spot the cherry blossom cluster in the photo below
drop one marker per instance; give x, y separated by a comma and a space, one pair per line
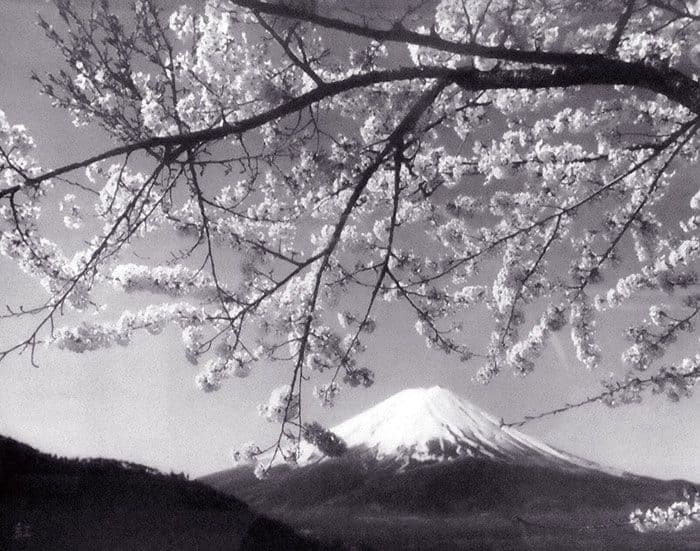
327, 393
245, 453
229, 360
283, 404
172, 281
675, 381
95, 335
16, 145
677, 516
326, 441
523, 354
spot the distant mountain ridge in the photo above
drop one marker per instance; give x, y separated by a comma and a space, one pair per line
427, 470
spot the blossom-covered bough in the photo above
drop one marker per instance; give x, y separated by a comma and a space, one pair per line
507, 157
677, 516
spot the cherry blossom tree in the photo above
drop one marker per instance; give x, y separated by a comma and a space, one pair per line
679, 515
507, 157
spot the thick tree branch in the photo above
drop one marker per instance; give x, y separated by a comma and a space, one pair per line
468, 78
669, 82
620, 27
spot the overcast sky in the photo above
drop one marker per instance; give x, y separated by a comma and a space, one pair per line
140, 403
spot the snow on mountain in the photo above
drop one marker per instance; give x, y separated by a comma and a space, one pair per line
433, 424
425, 469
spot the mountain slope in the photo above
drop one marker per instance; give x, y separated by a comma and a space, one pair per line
435, 425
426, 470
55, 503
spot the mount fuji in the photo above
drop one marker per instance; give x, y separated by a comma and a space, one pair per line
420, 425
425, 469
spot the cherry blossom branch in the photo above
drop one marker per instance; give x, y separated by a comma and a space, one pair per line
468, 78
614, 389
395, 142
620, 27
521, 287
222, 295
436, 335
383, 270
284, 44
647, 195
670, 82
562, 211
683, 14
55, 305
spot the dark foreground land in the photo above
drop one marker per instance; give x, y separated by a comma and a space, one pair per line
59, 504
464, 504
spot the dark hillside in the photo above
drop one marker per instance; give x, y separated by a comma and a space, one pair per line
55, 503
461, 504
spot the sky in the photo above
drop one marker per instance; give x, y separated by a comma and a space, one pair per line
140, 403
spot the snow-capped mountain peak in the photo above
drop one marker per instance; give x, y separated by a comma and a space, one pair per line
416, 417
433, 424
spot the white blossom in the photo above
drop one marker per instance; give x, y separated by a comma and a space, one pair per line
245, 453
326, 394
677, 516
283, 405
